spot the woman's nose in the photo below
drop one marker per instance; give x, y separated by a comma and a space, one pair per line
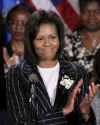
19, 25
47, 42
92, 13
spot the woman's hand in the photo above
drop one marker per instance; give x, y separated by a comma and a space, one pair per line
85, 104
18, 48
9, 60
72, 98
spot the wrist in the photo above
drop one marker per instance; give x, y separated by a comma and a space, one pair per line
65, 111
86, 114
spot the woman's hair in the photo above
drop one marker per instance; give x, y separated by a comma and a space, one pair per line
84, 3
41, 17
20, 7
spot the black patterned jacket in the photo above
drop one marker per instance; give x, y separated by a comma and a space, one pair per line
28, 101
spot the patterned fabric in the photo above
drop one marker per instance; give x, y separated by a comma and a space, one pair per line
77, 52
28, 101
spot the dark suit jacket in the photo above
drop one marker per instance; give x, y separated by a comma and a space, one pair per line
3, 114
28, 100
2, 80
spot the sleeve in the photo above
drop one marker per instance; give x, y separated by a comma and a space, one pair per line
57, 117
16, 106
77, 118
53, 118
82, 73
80, 120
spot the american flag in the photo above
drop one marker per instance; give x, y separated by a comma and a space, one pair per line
68, 10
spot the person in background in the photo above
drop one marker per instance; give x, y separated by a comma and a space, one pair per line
47, 89
84, 42
16, 20
96, 78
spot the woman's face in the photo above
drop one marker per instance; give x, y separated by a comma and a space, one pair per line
90, 16
17, 25
46, 43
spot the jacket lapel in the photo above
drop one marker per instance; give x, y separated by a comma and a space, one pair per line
61, 93
32, 75
42, 93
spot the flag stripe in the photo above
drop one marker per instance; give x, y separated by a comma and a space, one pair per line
31, 3
48, 5
56, 2
44, 4
68, 14
65, 8
75, 5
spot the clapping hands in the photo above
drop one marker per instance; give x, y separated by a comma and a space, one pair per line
86, 101
85, 104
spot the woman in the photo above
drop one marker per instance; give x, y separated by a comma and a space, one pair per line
16, 19
47, 89
84, 42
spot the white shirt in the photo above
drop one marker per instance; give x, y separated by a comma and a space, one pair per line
50, 77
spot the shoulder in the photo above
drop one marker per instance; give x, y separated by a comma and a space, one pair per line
74, 34
20, 72
71, 40
77, 71
75, 67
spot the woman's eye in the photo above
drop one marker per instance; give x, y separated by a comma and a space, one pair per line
13, 23
52, 37
39, 39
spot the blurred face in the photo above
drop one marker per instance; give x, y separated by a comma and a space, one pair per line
17, 25
90, 16
46, 43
